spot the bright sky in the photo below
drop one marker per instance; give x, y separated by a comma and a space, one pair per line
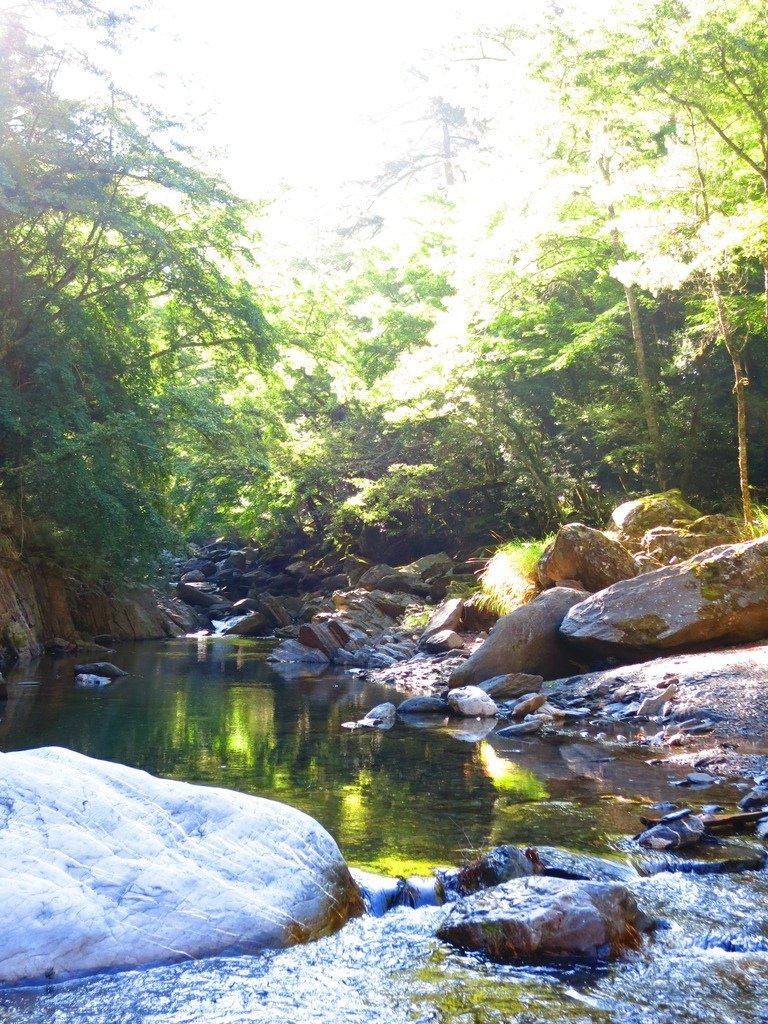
297, 93
287, 85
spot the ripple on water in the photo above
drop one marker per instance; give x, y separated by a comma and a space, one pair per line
392, 970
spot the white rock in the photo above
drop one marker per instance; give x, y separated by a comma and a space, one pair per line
472, 702
104, 866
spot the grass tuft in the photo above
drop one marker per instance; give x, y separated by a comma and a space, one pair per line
510, 579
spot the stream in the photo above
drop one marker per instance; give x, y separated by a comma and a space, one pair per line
211, 710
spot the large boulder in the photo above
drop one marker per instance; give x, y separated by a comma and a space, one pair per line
580, 553
112, 868
634, 518
718, 596
538, 918
526, 640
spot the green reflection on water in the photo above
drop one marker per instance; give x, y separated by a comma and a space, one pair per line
397, 802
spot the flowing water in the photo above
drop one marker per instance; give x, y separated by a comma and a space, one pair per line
398, 802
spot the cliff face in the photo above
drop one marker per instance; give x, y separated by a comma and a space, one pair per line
38, 607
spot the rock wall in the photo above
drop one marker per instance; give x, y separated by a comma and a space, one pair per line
40, 606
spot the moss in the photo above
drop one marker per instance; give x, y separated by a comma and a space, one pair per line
15, 637
642, 630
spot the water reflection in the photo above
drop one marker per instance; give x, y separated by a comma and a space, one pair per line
211, 710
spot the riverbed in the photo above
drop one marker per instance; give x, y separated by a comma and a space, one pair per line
400, 802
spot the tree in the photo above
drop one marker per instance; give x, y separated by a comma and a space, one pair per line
122, 273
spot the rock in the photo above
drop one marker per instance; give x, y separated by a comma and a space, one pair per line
400, 582
472, 702
755, 800
513, 684
112, 868
557, 863
372, 578
357, 608
380, 717
580, 553
634, 518
526, 640
393, 604
101, 668
537, 918
320, 636
292, 651
87, 680
717, 529
444, 640
423, 706
446, 616
527, 705
671, 834
530, 724
430, 567
299, 569
195, 576
719, 859
645, 563
200, 595
501, 864
339, 581
653, 704
667, 544
254, 624
273, 609
720, 595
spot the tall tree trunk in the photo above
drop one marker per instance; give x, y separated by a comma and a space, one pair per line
741, 382
646, 388
638, 340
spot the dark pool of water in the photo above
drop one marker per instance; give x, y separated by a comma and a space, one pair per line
397, 802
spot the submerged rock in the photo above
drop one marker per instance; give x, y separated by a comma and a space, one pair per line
101, 668
716, 859
88, 680
534, 919
112, 868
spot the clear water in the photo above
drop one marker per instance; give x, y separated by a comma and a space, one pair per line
397, 802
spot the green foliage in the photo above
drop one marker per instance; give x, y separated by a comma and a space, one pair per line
121, 284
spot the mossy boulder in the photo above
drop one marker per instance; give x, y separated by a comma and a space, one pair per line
718, 596
634, 518
581, 553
